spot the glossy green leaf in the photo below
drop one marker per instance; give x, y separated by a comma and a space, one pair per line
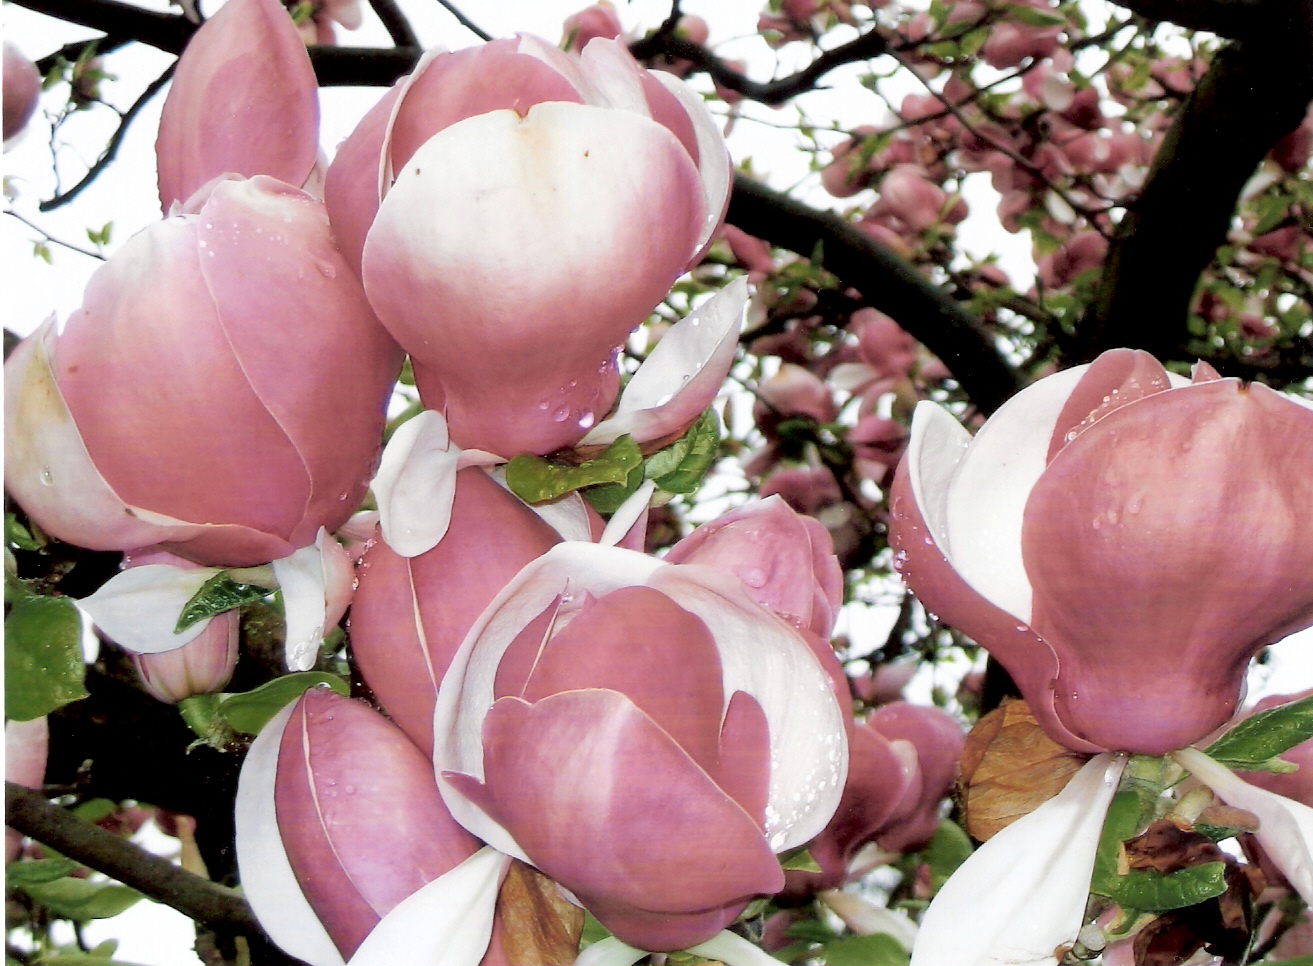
1151, 891
1252, 743
218, 594
43, 656
83, 899
874, 950
36, 871
250, 711
948, 849
536, 480
799, 861
680, 467
1122, 822
17, 535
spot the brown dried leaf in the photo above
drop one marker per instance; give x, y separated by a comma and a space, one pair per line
536, 924
1009, 768
1165, 847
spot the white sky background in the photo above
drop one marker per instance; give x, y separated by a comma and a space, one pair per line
126, 195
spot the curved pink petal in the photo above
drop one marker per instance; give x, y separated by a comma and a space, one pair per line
681, 376
27, 744
244, 100
938, 740
409, 616
919, 493
351, 792
591, 758
351, 184
278, 283
1129, 539
1114, 379
515, 297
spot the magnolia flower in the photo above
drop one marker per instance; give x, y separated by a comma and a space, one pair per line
600, 678
21, 89
1087, 538
198, 399
346, 851
27, 745
515, 212
244, 101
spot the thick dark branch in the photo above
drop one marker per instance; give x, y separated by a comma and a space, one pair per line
395, 23
664, 43
1250, 98
888, 283
207, 902
1257, 20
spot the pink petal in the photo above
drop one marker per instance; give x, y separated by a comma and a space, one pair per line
681, 376
244, 100
351, 184
571, 778
1114, 379
1123, 539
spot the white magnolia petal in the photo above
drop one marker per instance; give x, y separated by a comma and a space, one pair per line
733, 950
682, 375
416, 483
446, 923
866, 919
851, 376
1285, 827
1022, 894
988, 494
935, 448
386, 170
610, 952
305, 602
339, 577
568, 516
630, 521
613, 77
138, 608
713, 157
268, 882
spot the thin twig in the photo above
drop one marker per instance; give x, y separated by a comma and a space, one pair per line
200, 899
52, 239
465, 21
111, 148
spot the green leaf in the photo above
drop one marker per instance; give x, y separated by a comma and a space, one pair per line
948, 849
1251, 744
1033, 17
36, 871
1157, 892
1122, 822
536, 480
250, 711
218, 594
17, 535
680, 467
43, 656
799, 860
83, 899
874, 950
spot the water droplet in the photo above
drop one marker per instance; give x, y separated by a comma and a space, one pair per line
46, 478
202, 244
341, 497
777, 841
755, 578
323, 686
327, 269
1023, 628
350, 789
1075, 696
586, 419
561, 414
544, 406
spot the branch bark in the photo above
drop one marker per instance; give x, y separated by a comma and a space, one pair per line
1251, 96
1258, 20
891, 285
208, 903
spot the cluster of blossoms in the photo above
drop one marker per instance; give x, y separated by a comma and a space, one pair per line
555, 710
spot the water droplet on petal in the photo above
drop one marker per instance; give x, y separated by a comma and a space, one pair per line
586, 419
46, 478
561, 415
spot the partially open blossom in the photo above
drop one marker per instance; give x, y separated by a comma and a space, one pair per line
1082, 253
808, 489
244, 101
345, 849
201, 666
791, 393
599, 20
517, 211
906, 193
1010, 42
1086, 537
220, 392
602, 682
785, 560
21, 88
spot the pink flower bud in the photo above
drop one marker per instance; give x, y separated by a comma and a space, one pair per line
791, 393
22, 88
27, 744
1011, 42
1083, 253
883, 344
572, 191
599, 20
205, 412
806, 489
202, 665
1086, 536
906, 194
786, 561
553, 735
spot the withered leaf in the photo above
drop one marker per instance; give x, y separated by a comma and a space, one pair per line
536, 923
1165, 847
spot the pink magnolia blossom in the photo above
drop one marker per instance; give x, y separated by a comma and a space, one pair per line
201, 666
1082, 253
791, 393
244, 101
600, 674
345, 849
911, 197
1086, 537
785, 560
807, 489
410, 614
599, 20
21, 90
512, 232
199, 398
1010, 42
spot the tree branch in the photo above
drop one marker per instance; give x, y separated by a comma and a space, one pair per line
208, 903
395, 23
893, 286
1250, 98
1258, 20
